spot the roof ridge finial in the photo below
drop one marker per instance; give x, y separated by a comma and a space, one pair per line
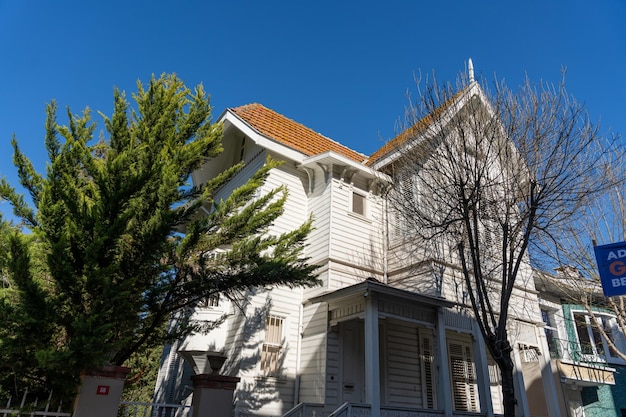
470, 69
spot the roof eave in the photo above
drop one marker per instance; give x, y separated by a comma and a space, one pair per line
370, 287
260, 139
333, 157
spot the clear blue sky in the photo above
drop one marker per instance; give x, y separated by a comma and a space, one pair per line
340, 67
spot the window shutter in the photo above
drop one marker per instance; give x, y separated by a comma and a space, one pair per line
471, 379
463, 377
428, 371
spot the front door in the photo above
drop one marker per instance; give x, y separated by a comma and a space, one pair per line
352, 362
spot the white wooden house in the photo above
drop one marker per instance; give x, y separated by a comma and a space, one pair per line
384, 334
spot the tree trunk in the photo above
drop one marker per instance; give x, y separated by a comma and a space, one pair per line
508, 389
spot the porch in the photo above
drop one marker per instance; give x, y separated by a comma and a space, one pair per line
364, 410
392, 353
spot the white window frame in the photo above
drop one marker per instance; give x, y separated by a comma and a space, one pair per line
365, 202
596, 356
551, 332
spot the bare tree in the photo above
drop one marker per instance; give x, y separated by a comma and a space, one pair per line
603, 221
480, 175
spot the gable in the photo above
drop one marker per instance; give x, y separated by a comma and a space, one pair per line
413, 135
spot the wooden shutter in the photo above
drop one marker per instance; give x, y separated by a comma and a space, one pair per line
462, 376
428, 370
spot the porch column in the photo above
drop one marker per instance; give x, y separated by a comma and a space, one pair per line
444, 385
372, 354
547, 375
482, 370
522, 409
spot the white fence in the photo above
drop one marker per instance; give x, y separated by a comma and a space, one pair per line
33, 409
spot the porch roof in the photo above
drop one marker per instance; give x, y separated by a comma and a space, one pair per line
373, 286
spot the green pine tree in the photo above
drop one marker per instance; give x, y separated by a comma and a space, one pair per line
101, 263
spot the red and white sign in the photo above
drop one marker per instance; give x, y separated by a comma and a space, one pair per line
103, 390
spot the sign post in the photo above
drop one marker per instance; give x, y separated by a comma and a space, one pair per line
611, 261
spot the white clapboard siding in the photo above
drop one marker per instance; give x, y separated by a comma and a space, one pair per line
313, 353
355, 238
242, 176
295, 208
333, 375
404, 380
320, 209
269, 395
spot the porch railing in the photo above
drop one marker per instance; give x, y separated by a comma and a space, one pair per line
352, 410
306, 410
574, 351
408, 412
364, 410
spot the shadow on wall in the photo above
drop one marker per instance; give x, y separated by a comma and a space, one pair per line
243, 359
244, 338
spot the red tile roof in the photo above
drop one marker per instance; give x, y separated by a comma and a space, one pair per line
290, 133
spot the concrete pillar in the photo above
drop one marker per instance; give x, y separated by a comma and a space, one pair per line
100, 392
213, 395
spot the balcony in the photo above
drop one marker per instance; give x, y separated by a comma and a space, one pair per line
580, 364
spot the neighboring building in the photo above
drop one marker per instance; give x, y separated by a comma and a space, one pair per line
386, 330
592, 377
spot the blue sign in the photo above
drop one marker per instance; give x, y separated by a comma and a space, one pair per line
611, 261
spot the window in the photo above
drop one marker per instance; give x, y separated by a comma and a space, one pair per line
608, 326
358, 203
270, 352
407, 188
551, 333
528, 353
593, 346
210, 301
585, 333
463, 376
240, 153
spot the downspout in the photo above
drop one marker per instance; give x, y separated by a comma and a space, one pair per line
328, 180
296, 394
385, 237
